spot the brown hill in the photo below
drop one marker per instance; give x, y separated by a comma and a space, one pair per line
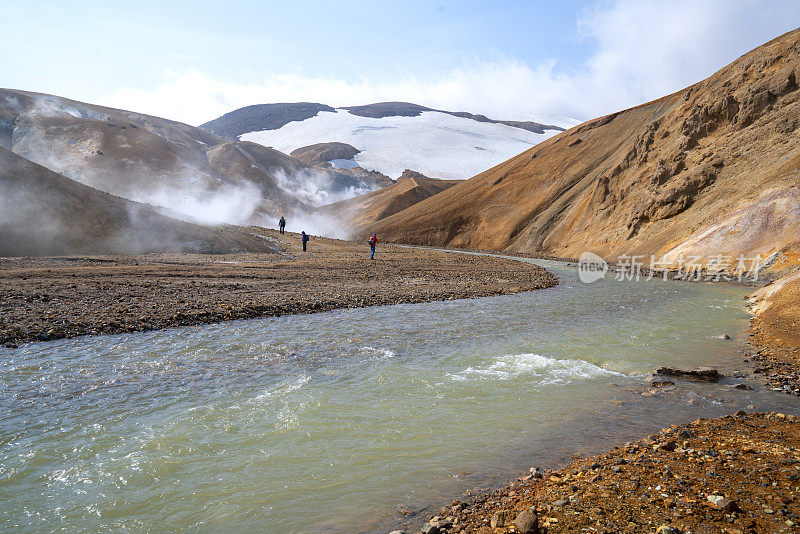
713, 169
322, 153
44, 213
363, 210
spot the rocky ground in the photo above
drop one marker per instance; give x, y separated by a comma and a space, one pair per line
775, 334
736, 474
51, 298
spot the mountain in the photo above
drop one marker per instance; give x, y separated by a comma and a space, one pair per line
389, 136
363, 210
44, 213
166, 163
712, 169
262, 117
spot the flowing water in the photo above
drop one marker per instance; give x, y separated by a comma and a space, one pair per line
330, 422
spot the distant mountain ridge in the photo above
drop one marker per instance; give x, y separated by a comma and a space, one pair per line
389, 137
405, 109
261, 117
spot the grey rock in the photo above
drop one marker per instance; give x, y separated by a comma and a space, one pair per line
500, 518
430, 529
703, 374
527, 522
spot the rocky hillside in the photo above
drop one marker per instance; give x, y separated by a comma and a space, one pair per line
363, 210
44, 213
386, 137
148, 159
713, 169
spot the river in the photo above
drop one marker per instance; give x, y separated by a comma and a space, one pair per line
334, 421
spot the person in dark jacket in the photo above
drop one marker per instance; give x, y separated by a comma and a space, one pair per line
373, 240
304, 237
282, 224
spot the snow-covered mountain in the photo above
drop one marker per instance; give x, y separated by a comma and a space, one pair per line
390, 137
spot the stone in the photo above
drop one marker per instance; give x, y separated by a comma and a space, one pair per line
561, 502
527, 522
721, 503
398, 532
500, 518
668, 446
703, 374
667, 529
430, 529
743, 386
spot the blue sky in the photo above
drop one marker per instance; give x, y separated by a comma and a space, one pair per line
514, 60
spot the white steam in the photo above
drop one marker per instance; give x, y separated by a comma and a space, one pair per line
318, 224
316, 187
228, 205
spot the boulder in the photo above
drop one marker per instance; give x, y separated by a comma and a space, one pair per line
703, 374
527, 522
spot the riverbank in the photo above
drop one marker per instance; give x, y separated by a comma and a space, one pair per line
734, 474
52, 298
775, 333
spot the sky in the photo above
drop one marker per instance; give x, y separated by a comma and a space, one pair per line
193, 61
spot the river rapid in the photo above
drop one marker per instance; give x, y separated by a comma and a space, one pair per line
335, 421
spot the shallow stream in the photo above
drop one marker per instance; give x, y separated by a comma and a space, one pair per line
334, 421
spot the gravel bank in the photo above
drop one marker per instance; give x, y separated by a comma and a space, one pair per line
52, 298
736, 474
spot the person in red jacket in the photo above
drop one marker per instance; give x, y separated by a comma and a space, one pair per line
372, 242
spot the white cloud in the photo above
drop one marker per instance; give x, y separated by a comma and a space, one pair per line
644, 50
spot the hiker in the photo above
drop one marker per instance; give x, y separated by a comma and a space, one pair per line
304, 237
372, 242
282, 224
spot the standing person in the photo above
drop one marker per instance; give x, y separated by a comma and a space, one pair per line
304, 237
282, 224
372, 242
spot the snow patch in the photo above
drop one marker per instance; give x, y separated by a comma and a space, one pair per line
436, 144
